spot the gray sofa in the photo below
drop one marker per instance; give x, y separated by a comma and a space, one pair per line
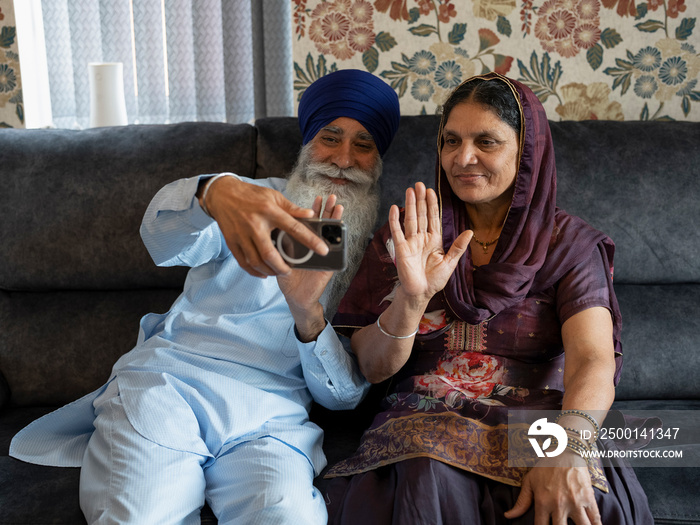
75, 278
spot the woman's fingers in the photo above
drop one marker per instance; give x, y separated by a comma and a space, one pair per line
422, 213
434, 219
410, 220
593, 514
422, 225
524, 501
421, 207
395, 225
458, 248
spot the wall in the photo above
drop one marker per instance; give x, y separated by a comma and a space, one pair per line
11, 103
585, 59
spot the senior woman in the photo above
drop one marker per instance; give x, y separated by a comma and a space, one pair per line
527, 318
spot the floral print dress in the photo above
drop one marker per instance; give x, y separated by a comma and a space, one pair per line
450, 401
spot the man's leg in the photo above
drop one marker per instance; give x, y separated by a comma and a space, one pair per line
264, 482
127, 479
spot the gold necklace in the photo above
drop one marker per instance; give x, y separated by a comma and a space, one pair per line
484, 245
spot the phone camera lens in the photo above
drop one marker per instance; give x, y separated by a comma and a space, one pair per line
332, 233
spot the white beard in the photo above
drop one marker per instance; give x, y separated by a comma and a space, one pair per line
360, 200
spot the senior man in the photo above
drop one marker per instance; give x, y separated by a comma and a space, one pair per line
212, 403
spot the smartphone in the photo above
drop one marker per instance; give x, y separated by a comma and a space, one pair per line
295, 254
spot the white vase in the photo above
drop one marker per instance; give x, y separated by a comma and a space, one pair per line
107, 105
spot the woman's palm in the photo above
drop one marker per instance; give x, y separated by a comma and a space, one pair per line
421, 263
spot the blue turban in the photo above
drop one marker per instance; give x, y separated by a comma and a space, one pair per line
353, 94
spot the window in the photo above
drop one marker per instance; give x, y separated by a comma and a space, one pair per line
184, 60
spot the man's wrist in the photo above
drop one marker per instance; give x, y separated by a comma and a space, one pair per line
204, 188
309, 323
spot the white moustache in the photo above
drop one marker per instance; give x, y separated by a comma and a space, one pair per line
355, 175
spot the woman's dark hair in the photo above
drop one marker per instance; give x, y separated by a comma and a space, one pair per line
493, 93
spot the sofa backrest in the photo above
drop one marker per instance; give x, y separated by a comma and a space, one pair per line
639, 182
78, 197
74, 275
75, 278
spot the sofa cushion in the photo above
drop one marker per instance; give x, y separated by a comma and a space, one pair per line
660, 327
669, 489
667, 492
278, 144
4, 391
639, 183
57, 346
410, 158
78, 197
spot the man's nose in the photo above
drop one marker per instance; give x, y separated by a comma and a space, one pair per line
343, 156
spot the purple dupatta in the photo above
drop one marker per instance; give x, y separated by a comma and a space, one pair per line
538, 244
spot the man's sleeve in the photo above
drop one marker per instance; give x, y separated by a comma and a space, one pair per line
331, 371
177, 232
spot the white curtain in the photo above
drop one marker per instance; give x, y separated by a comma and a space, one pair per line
184, 60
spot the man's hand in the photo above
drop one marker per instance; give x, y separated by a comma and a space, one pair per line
303, 288
247, 214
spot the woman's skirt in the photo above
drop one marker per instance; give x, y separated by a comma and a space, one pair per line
422, 491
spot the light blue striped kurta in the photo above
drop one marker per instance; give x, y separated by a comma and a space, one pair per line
222, 367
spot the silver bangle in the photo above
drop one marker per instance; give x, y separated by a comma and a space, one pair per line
392, 335
208, 185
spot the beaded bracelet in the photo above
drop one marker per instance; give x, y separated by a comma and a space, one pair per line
208, 185
392, 335
577, 449
578, 441
573, 436
586, 416
577, 433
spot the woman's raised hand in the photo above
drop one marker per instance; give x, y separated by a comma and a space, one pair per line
422, 265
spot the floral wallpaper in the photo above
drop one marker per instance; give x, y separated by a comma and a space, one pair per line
585, 59
11, 104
